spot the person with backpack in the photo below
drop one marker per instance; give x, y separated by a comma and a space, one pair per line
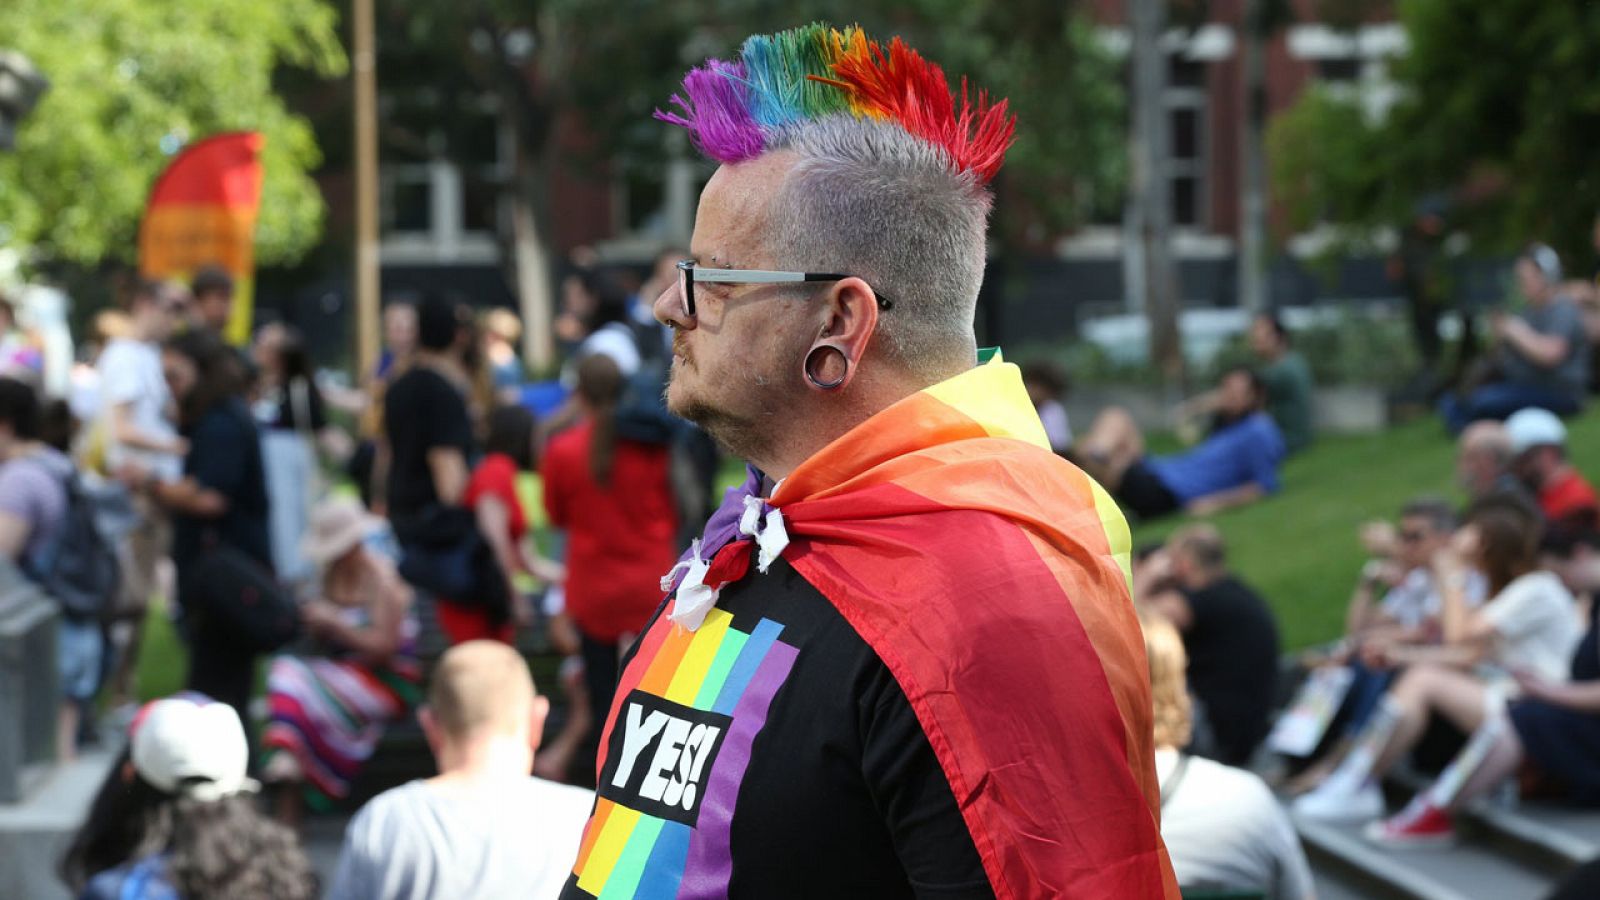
37, 490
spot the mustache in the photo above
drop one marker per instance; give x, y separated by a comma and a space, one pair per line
680, 348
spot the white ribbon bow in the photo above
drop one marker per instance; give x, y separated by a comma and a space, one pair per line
768, 530
695, 597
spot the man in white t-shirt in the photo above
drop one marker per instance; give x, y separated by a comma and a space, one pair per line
140, 426
138, 406
483, 827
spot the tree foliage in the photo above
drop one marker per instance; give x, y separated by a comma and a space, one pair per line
1498, 110
1065, 86
131, 81
611, 63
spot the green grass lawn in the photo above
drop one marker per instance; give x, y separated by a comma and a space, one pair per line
1298, 548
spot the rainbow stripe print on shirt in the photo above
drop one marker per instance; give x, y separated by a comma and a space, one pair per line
673, 754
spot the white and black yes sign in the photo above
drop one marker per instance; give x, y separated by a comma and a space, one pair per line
661, 756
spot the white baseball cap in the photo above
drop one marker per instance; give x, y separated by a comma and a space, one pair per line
1533, 427
192, 745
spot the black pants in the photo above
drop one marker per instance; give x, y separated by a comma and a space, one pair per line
601, 669
219, 667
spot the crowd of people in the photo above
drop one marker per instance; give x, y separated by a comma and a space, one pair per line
1469, 632
779, 706
207, 472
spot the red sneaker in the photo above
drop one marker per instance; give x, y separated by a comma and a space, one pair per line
1420, 824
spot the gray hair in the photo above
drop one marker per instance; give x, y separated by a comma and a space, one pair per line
868, 199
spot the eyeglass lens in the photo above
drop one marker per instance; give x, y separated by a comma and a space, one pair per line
686, 286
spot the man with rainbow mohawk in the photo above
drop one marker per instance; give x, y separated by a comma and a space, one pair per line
902, 659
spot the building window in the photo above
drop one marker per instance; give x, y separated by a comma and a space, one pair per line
407, 201
1339, 70
1186, 123
442, 191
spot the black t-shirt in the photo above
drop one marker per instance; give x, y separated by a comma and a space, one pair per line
1233, 664
421, 411
796, 768
225, 456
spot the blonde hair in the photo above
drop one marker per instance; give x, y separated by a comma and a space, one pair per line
481, 687
503, 324
1169, 689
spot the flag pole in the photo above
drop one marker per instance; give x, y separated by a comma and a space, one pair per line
366, 128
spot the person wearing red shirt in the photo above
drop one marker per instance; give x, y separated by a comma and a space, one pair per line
1539, 441
492, 496
614, 499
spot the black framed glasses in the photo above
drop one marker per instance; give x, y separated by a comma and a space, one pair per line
690, 272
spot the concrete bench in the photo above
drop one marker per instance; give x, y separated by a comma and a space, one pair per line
29, 684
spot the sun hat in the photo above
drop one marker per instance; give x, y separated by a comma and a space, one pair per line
337, 526
191, 745
1534, 427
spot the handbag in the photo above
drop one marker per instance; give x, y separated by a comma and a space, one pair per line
442, 552
231, 590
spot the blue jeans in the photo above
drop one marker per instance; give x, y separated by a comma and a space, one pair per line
1500, 399
1366, 690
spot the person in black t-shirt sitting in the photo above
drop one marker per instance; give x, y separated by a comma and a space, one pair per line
1229, 634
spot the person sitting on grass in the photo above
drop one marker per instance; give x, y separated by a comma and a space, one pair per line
1483, 463
176, 817
1047, 383
1539, 442
1235, 465
1555, 725
1222, 826
1395, 604
328, 709
1540, 356
482, 827
1287, 377
1228, 632
1529, 624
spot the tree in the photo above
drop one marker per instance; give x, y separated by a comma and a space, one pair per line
623, 59
131, 81
610, 64
1497, 110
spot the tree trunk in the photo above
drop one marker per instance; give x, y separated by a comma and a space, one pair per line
1152, 189
531, 265
1252, 183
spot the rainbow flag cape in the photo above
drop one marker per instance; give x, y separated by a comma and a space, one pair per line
991, 577
202, 211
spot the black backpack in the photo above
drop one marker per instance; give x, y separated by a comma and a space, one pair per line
79, 569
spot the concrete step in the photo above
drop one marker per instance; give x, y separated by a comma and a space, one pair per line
35, 832
1547, 837
1466, 871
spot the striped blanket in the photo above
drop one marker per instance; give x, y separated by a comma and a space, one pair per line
329, 715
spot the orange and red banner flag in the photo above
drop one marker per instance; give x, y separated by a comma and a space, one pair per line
202, 211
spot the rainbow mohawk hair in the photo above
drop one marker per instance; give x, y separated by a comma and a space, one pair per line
738, 110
